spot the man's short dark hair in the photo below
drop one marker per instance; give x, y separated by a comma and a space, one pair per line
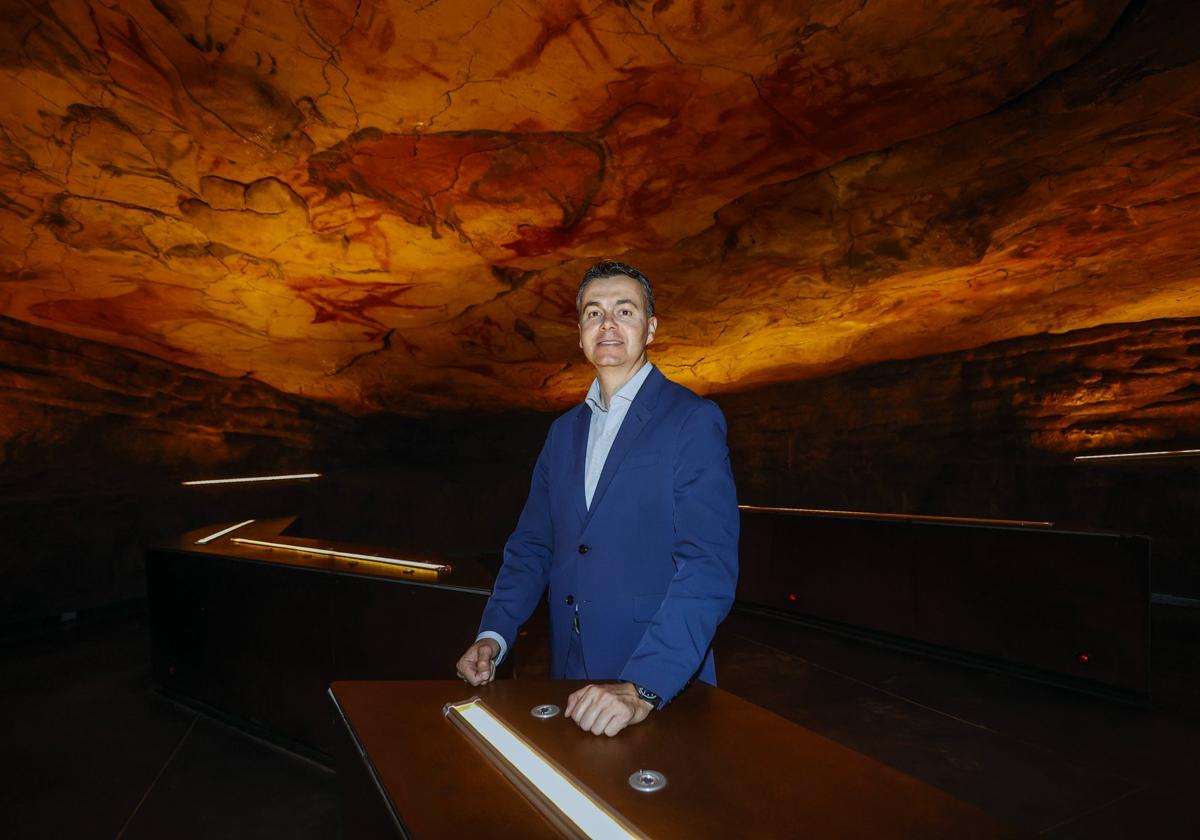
611, 268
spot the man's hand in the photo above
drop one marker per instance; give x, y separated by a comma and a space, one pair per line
477, 665
607, 709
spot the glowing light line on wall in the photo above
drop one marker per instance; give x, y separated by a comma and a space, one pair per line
222, 532
1136, 456
572, 808
903, 517
250, 479
329, 552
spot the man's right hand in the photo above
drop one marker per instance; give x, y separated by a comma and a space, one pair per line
477, 665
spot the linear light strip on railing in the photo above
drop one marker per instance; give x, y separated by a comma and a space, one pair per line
222, 532
912, 517
250, 479
1135, 456
328, 552
590, 817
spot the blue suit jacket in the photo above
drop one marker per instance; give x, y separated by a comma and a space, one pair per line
652, 566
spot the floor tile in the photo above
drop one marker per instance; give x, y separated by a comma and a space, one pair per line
1147, 813
83, 735
223, 784
1017, 781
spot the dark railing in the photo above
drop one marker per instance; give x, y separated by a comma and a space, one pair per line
1064, 606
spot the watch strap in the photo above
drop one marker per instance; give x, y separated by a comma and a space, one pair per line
648, 695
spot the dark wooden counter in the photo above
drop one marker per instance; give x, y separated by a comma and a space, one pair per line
733, 770
256, 635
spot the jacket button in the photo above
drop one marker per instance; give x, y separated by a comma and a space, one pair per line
585, 548
570, 600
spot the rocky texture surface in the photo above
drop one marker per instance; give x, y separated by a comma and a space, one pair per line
95, 440
922, 254
980, 433
387, 205
816, 443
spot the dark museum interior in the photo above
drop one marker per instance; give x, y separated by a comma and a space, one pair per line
937, 263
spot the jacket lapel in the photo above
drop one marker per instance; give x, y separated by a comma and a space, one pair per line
583, 424
639, 415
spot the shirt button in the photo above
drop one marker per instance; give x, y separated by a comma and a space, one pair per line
584, 549
570, 600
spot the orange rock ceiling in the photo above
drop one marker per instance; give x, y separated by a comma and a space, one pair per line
387, 205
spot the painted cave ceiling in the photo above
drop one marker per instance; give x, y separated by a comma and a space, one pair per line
386, 205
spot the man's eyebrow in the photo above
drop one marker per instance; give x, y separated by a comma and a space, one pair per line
618, 303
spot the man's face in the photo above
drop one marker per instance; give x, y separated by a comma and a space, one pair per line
613, 327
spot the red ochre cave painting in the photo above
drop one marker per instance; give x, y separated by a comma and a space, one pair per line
455, 181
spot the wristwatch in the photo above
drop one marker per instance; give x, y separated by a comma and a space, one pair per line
647, 695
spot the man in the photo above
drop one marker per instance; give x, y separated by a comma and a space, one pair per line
631, 521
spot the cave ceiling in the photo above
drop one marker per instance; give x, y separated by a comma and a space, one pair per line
386, 205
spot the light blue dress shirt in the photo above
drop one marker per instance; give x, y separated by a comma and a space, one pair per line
606, 423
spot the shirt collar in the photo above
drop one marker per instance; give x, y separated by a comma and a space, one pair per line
628, 391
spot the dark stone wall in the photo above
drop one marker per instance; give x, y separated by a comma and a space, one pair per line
992, 432
95, 440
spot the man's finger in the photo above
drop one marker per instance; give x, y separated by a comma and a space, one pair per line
615, 725
595, 708
574, 700
583, 707
603, 718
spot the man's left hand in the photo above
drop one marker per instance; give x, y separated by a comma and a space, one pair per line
607, 709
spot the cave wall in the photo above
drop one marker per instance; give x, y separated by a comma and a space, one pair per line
991, 433
95, 440
922, 254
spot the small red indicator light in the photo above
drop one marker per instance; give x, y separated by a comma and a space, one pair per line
1083, 658
792, 596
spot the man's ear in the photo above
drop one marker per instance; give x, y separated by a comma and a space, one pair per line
580, 325
651, 326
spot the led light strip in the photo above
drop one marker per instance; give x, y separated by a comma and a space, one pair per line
223, 532
250, 479
587, 816
1134, 456
906, 517
327, 552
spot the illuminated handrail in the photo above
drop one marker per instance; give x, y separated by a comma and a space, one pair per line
249, 479
574, 810
1138, 456
349, 555
900, 517
222, 532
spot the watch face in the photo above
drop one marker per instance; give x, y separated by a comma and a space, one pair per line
648, 695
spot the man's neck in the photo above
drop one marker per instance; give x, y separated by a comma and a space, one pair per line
613, 379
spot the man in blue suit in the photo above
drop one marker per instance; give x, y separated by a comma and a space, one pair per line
631, 521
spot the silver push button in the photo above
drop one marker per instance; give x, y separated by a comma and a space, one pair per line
647, 781
544, 711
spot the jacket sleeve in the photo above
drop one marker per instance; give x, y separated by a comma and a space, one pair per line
526, 567
705, 551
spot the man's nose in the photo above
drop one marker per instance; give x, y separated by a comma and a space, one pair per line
608, 321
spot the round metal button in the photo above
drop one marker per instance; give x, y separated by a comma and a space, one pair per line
584, 549
647, 781
546, 710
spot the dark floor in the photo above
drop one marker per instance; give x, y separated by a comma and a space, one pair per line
90, 751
